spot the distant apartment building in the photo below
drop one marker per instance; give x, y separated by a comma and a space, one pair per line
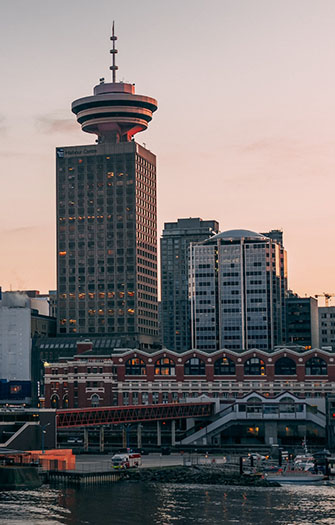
175, 304
237, 291
40, 303
302, 321
327, 327
42, 325
53, 303
21, 325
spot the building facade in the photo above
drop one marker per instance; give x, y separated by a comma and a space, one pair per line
175, 303
236, 291
107, 219
327, 327
135, 377
15, 348
302, 321
278, 237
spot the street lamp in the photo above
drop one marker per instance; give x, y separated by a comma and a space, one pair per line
43, 434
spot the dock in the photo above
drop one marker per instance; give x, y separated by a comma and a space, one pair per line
78, 479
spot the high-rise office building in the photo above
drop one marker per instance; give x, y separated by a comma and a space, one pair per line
278, 237
107, 218
236, 291
327, 327
302, 321
175, 305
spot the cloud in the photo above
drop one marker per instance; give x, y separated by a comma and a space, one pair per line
16, 154
19, 230
3, 125
50, 124
286, 148
274, 147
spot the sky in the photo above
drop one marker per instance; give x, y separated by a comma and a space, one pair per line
244, 133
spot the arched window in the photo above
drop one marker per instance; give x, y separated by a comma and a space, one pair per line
254, 367
254, 400
66, 401
194, 367
287, 405
224, 367
165, 367
286, 399
285, 367
55, 401
316, 367
135, 367
95, 400
254, 405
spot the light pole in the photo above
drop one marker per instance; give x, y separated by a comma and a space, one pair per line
43, 434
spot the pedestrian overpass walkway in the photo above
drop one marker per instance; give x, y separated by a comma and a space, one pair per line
71, 418
242, 413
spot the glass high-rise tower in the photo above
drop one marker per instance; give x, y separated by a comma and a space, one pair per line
175, 305
236, 291
107, 219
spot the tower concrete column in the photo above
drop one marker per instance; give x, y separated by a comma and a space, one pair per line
124, 438
85, 439
139, 435
102, 439
173, 432
159, 434
190, 423
271, 433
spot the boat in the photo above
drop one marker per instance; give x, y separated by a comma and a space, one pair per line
296, 476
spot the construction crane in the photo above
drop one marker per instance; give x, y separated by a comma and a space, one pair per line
327, 297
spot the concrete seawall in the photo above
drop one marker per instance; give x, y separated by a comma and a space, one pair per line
17, 477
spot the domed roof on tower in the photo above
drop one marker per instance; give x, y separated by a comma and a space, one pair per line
235, 235
114, 112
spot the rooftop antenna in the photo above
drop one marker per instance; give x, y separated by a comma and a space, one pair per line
113, 51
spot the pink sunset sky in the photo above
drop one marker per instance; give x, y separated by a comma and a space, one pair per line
244, 133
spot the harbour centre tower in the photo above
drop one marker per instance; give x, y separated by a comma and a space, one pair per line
107, 218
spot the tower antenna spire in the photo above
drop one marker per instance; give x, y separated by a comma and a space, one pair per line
113, 51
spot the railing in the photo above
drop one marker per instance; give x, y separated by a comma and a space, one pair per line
218, 415
18, 432
67, 418
96, 466
204, 460
233, 414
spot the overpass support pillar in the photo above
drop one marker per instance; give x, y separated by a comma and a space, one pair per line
124, 437
173, 432
85, 439
102, 439
139, 435
159, 434
271, 433
189, 423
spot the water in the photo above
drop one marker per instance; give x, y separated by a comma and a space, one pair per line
169, 504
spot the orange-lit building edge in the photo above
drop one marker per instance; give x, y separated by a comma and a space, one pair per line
54, 459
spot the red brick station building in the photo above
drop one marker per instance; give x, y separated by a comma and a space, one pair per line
134, 377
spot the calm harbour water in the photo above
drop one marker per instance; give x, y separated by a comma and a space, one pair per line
167, 504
